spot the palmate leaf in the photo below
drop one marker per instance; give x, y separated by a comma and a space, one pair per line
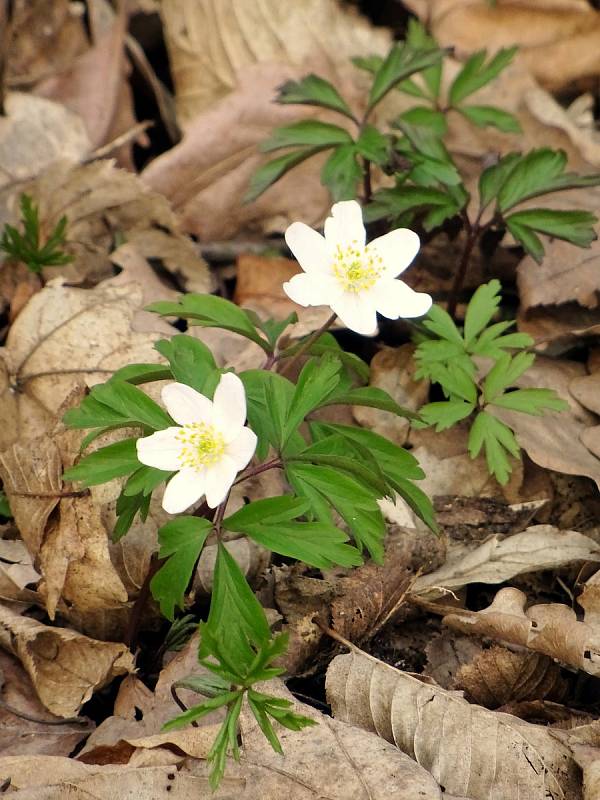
341, 173
505, 372
395, 202
306, 133
314, 91
497, 440
576, 227
531, 401
401, 62
445, 414
484, 116
270, 172
190, 362
113, 461
373, 145
476, 73
181, 542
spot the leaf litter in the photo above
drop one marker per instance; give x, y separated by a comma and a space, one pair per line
505, 599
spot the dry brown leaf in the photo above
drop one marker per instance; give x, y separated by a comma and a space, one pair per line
469, 750
551, 629
26, 727
34, 134
212, 42
356, 604
393, 370
555, 440
16, 572
65, 667
501, 558
498, 676
557, 39
475, 518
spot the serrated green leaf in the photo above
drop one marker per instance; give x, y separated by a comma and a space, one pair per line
373, 145
438, 321
456, 382
369, 396
117, 404
341, 173
275, 169
315, 543
143, 373
481, 309
313, 91
504, 373
127, 507
210, 311
497, 439
269, 511
112, 461
191, 362
306, 133
145, 480
492, 179
576, 227
181, 542
484, 116
531, 242
424, 117
531, 401
476, 73
418, 38
394, 202
445, 414
401, 62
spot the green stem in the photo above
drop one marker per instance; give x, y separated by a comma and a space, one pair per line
308, 343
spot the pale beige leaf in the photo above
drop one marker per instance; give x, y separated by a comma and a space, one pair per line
472, 752
65, 667
498, 559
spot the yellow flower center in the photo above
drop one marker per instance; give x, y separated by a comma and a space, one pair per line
201, 445
355, 268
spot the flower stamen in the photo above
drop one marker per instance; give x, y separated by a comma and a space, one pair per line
355, 268
202, 445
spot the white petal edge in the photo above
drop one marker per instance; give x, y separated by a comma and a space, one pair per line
397, 250
183, 490
219, 479
242, 448
306, 290
186, 405
357, 313
160, 450
308, 246
345, 225
229, 406
394, 299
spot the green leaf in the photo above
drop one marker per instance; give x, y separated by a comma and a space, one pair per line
191, 362
268, 397
315, 543
498, 440
576, 227
395, 202
539, 172
531, 401
112, 461
268, 511
341, 173
306, 133
504, 373
181, 542
211, 312
314, 91
484, 116
145, 480
401, 62
481, 309
423, 117
370, 397
417, 37
476, 73
198, 712
456, 381
492, 179
373, 145
127, 508
316, 383
117, 404
4, 506
26, 246
418, 501
270, 172
142, 373
445, 414
438, 321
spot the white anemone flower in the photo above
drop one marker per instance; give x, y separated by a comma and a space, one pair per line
356, 280
207, 449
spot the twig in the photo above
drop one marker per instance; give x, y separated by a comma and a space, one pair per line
181, 704
124, 138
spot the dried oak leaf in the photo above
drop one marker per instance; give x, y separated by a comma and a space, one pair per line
469, 750
551, 629
501, 558
65, 667
26, 727
557, 39
212, 42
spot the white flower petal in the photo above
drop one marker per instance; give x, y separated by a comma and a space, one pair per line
308, 247
345, 225
242, 448
393, 299
229, 406
183, 490
356, 312
160, 450
219, 478
307, 290
186, 405
397, 249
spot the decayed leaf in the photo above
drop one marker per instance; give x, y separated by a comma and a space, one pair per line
26, 727
498, 676
475, 518
469, 750
500, 558
102, 203
65, 337
212, 42
356, 604
551, 629
65, 667
557, 38
555, 440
